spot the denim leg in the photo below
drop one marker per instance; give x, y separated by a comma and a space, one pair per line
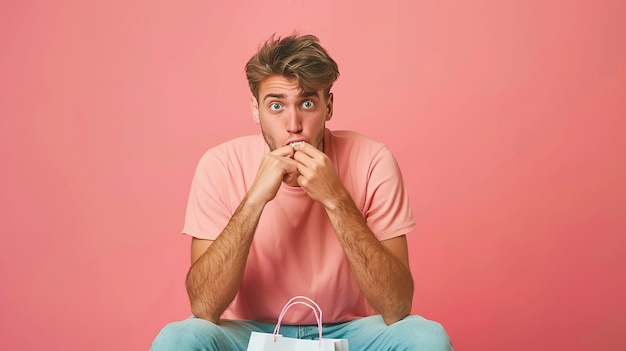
201, 335
413, 333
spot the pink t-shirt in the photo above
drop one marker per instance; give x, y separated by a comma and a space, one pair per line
295, 250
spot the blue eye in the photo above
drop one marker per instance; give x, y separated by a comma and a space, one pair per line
275, 106
308, 104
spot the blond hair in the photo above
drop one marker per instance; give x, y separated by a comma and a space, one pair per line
298, 57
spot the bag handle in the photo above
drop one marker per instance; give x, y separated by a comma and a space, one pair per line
295, 301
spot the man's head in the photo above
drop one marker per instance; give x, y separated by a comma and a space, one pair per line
299, 57
290, 81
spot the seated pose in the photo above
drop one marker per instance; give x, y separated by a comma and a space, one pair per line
299, 210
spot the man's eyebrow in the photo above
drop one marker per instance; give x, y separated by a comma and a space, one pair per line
304, 94
308, 93
276, 96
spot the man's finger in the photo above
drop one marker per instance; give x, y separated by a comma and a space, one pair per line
285, 151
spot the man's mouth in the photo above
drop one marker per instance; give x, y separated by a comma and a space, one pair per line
293, 144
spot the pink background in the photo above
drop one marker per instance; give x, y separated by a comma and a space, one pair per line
507, 118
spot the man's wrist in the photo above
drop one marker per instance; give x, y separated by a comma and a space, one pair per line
252, 202
342, 200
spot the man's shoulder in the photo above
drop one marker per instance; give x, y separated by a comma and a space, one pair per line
348, 139
238, 144
241, 142
240, 148
349, 134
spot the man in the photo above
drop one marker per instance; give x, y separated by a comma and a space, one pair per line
299, 210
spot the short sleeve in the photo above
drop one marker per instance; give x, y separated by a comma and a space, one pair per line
208, 210
387, 209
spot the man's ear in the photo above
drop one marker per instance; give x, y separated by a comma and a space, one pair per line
329, 107
254, 105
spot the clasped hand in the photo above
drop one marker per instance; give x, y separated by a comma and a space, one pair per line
301, 165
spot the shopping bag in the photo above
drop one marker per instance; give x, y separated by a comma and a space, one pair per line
267, 342
276, 342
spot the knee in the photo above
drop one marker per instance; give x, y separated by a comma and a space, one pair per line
190, 334
419, 333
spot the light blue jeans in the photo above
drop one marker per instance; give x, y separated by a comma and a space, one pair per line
365, 334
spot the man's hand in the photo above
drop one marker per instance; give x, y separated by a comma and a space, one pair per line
276, 167
318, 176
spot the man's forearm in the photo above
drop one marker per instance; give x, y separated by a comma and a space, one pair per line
214, 279
384, 280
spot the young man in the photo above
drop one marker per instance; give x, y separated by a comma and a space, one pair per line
299, 210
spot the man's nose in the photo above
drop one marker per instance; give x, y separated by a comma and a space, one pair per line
294, 121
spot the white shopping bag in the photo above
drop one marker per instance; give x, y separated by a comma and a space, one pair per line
267, 342
277, 342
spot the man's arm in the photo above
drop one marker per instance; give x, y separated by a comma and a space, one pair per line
380, 268
218, 266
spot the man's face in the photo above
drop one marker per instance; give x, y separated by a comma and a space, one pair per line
287, 114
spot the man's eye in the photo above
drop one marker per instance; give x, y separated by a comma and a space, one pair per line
275, 106
308, 104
